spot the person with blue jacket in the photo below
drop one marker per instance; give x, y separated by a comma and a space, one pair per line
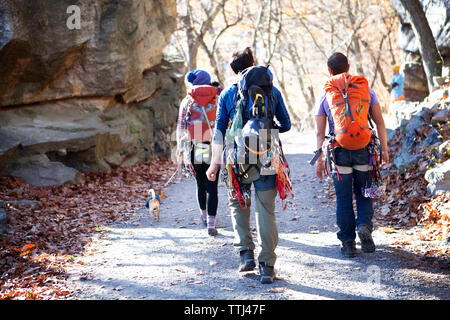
265, 188
396, 85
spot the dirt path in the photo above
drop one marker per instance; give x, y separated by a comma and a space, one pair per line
176, 259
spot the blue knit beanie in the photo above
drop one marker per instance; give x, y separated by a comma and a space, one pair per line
198, 77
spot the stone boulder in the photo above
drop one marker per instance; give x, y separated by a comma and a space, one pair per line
418, 135
438, 179
42, 59
415, 85
87, 99
400, 112
94, 134
441, 116
39, 171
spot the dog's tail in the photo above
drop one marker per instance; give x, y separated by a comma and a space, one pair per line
152, 192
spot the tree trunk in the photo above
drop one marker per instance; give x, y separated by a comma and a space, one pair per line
193, 52
354, 45
194, 38
432, 61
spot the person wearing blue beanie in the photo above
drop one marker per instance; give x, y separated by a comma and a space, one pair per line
200, 93
198, 77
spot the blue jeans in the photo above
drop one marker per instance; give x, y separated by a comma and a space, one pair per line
351, 183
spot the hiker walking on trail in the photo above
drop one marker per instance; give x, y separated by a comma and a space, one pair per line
264, 98
353, 152
196, 120
396, 85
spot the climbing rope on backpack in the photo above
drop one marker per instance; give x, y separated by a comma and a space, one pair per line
283, 181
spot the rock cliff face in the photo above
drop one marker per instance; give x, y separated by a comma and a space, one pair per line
438, 16
87, 99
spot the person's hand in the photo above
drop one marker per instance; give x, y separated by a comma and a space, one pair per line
211, 173
384, 158
320, 169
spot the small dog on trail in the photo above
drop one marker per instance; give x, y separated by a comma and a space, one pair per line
153, 205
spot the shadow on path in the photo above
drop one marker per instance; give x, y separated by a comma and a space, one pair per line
176, 259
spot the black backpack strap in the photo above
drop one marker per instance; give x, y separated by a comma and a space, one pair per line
269, 93
270, 114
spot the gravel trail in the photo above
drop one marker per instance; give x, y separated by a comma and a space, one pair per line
176, 259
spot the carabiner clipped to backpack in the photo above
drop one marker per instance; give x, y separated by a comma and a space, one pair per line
258, 107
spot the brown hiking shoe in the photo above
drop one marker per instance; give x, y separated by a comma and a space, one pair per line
349, 249
367, 244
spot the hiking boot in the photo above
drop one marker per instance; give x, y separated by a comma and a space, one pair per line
349, 249
367, 244
212, 231
267, 273
211, 223
247, 261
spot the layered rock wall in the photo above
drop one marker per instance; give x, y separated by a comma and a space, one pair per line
87, 99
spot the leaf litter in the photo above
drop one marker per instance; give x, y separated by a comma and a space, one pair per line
41, 241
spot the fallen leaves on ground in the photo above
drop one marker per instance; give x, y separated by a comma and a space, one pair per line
405, 192
42, 240
386, 230
436, 221
407, 203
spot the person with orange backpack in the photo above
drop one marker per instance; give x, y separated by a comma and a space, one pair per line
353, 152
195, 127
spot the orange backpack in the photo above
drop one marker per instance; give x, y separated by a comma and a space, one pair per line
348, 98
